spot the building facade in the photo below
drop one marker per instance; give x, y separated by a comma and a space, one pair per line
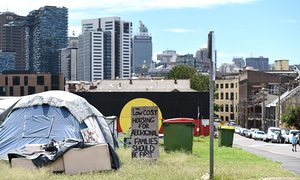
7, 61
239, 62
202, 58
46, 33
142, 49
260, 63
115, 51
282, 64
24, 83
189, 60
168, 57
256, 89
68, 63
12, 40
227, 97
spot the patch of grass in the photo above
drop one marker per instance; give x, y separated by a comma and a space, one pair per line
229, 163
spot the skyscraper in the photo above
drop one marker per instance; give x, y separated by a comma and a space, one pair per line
142, 49
46, 33
90, 64
260, 63
12, 40
108, 50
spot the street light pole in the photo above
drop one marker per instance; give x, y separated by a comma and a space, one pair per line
211, 56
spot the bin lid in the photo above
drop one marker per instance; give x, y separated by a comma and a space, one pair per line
227, 127
179, 120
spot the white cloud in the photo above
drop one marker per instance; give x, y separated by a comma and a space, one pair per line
179, 30
113, 6
79, 9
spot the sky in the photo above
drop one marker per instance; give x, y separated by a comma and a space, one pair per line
242, 28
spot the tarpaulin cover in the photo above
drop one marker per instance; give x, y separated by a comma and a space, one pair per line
52, 115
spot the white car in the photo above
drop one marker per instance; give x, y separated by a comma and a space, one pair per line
288, 138
251, 133
272, 134
259, 135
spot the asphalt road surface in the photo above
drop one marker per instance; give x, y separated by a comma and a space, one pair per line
276, 152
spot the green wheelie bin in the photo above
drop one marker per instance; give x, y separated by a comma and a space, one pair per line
226, 135
178, 134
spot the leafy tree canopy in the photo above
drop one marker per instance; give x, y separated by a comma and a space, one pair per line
199, 82
292, 118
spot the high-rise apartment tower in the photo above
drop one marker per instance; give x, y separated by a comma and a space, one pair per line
142, 49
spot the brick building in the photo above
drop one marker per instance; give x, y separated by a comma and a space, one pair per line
251, 97
24, 83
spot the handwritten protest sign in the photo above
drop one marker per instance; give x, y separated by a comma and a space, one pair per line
144, 132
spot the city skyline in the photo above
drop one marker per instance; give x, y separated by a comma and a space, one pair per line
243, 28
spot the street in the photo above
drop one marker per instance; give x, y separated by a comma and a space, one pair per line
276, 152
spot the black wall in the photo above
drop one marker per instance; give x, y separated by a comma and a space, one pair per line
171, 104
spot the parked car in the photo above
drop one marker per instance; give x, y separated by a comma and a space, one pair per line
284, 134
237, 129
273, 134
251, 132
245, 132
259, 135
290, 135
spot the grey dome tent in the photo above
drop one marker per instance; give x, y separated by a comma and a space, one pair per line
53, 116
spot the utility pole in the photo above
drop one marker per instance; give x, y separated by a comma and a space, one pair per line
263, 108
279, 94
211, 56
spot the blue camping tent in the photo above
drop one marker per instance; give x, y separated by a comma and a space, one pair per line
52, 116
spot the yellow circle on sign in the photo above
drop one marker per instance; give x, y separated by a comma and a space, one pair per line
125, 116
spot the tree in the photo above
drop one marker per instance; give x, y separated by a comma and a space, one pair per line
199, 82
292, 118
181, 72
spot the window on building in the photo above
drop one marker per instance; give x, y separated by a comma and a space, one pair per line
221, 85
40, 80
222, 96
232, 96
11, 91
16, 80
227, 118
222, 108
226, 108
227, 95
46, 88
22, 90
231, 108
217, 86
25, 80
6, 80
31, 90
2, 91
226, 85
217, 96
231, 85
